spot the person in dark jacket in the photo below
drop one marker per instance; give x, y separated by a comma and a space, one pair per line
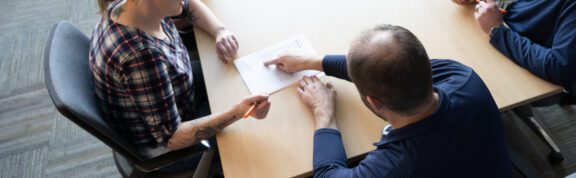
443, 120
539, 36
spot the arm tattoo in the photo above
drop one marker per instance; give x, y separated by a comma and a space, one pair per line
205, 132
209, 131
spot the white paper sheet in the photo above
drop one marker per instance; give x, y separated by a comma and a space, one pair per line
262, 79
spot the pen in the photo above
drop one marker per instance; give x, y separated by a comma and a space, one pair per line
501, 10
250, 111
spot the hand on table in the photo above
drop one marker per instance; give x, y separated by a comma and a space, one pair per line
320, 98
226, 45
296, 60
488, 15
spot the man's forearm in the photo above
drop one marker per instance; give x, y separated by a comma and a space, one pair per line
192, 132
315, 63
329, 155
324, 119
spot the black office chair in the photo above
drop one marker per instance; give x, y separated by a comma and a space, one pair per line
68, 79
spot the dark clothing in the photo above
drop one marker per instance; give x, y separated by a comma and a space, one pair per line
464, 137
541, 38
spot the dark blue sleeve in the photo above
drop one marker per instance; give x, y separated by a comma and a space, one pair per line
328, 149
330, 159
336, 66
556, 63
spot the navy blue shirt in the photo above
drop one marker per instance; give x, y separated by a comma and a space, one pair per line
541, 38
464, 137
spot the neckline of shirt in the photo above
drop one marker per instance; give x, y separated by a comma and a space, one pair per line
170, 41
419, 127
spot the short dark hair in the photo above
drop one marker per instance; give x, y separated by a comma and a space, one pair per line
390, 64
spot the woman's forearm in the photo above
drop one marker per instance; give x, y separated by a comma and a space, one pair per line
194, 131
204, 18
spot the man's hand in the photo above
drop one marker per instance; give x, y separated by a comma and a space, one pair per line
463, 2
320, 98
226, 45
296, 60
488, 15
261, 110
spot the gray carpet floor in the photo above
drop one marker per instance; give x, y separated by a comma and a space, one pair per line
36, 141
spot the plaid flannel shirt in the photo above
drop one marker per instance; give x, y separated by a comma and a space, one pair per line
144, 84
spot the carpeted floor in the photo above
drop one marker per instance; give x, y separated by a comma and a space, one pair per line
36, 141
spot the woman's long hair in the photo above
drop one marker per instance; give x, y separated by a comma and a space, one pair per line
103, 4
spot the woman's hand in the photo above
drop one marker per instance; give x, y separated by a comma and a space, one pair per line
226, 45
260, 111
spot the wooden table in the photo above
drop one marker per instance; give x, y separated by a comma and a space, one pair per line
281, 145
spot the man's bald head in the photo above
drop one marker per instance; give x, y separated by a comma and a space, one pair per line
390, 64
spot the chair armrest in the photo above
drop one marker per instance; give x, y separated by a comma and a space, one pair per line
172, 157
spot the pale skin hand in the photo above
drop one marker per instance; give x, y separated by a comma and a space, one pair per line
296, 60
226, 42
194, 131
226, 45
320, 98
261, 110
488, 15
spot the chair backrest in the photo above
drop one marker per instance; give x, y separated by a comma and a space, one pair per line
69, 82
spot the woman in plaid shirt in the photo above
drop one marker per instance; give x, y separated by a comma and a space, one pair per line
148, 88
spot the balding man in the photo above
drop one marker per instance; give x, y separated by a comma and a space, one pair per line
444, 122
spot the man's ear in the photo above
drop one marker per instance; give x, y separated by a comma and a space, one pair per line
375, 103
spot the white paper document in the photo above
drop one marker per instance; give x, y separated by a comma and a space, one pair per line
262, 79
